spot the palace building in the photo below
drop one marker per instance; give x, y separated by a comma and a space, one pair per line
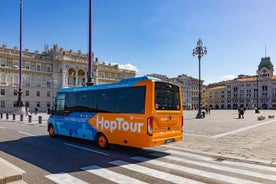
43, 73
252, 92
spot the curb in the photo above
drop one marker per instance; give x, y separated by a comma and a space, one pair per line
10, 173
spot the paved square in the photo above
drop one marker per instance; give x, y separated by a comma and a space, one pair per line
221, 132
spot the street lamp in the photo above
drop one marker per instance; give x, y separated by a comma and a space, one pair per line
199, 51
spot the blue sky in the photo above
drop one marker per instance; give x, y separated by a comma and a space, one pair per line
151, 36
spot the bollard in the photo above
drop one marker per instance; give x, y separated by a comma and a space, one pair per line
1, 115
21, 117
7, 116
39, 119
13, 117
30, 118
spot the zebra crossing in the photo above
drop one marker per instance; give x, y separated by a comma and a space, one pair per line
172, 166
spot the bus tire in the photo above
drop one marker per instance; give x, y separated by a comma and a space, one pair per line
102, 141
52, 131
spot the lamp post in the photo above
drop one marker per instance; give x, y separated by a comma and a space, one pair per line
199, 51
19, 102
89, 73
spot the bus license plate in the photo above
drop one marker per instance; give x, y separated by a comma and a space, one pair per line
169, 141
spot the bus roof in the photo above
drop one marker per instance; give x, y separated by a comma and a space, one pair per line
127, 82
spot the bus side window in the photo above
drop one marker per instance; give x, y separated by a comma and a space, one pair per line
131, 100
60, 103
70, 102
105, 100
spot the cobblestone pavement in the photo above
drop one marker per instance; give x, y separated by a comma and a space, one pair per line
221, 132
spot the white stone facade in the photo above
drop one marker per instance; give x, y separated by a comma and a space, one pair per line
43, 73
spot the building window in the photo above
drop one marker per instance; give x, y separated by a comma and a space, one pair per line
27, 66
38, 67
37, 93
27, 93
48, 68
48, 104
3, 62
49, 82
38, 81
27, 80
15, 92
15, 79
3, 78
2, 103
15, 64
2, 92
27, 104
48, 94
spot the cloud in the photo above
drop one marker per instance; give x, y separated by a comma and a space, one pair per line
128, 67
227, 77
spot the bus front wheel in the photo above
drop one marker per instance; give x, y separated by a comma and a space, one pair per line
51, 131
102, 141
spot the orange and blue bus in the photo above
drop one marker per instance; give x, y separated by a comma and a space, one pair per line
137, 112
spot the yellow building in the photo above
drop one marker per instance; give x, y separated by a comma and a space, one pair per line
43, 73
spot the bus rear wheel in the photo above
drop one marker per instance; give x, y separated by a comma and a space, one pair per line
52, 131
102, 141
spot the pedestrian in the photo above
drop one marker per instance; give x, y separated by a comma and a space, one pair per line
36, 109
27, 110
241, 112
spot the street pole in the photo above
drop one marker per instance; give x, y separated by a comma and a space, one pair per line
89, 73
257, 110
19, 102
200, 51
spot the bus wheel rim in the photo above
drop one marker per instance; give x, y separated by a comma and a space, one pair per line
102, 141
52, 132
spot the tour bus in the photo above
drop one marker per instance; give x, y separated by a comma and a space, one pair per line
137, 112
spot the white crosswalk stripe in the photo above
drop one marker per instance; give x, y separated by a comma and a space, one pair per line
152, 172
110, 175
64, 178
183, 167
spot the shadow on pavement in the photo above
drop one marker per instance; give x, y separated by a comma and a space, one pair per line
57, 156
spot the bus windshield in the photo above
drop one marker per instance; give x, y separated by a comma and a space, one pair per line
166, 96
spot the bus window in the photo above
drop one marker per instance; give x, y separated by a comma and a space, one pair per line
105, 100
70, 102
60, 102
131, 100
166, 96
86, 101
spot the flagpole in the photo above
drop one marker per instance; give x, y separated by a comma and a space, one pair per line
89, 73
19, 100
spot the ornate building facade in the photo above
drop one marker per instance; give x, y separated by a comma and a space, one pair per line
43, 73
252, 92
